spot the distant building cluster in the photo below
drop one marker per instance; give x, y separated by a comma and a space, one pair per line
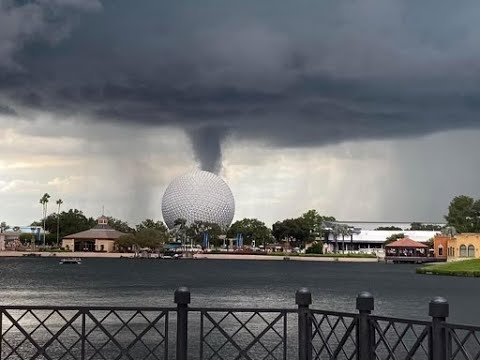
371, 241
10, 239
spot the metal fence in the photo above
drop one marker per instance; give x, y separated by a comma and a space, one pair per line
184, 332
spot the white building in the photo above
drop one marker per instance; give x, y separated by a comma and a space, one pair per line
369, 241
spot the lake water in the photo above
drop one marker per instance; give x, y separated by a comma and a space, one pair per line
397, 289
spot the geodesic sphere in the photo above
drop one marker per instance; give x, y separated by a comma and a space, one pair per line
198, 196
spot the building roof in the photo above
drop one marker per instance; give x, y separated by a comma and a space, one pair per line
406, 243
372, 225
101, 231
95, 233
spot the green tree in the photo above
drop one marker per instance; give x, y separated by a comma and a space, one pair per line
151, 224
3, 226
314, 222
344, 230
26, 238
393, 237
251, 229
463, 214
145, 238
389, 228
51, 239
150, 238
196, 231
424, 227
179, 232
44, 202
126, 242
120, 225
316, 248
449, 231
59, 203
292, 230
73, 221
336, 231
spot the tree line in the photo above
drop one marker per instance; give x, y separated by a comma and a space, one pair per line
463, 216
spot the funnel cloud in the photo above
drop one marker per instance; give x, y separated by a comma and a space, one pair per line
207, 145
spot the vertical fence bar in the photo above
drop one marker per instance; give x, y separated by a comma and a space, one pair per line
438, 309
182, 299
303, 298
365, 332
1, 332
202, 324
83, 334
285, 336
166, 338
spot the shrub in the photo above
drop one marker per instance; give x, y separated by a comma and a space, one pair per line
316, 248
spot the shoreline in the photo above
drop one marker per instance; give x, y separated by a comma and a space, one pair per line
462, 268
20, 254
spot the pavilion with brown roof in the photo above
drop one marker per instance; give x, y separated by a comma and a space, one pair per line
406, 249
99, 238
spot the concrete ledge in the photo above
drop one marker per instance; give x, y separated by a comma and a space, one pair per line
196, 256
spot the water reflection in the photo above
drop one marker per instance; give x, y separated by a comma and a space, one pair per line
121, 282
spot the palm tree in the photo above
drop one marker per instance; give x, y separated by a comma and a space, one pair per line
336, 230
344, 230
3, 226
59, 203
44, 202
449, 231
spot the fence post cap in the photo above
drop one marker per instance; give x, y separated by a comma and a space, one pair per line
303, 297
365, 301
438, 307
182, 296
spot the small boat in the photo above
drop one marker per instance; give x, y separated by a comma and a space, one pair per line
71, 261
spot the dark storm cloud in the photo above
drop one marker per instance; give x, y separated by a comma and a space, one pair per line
6, 110
297, 73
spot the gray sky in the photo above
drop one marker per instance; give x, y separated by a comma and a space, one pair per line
365, 110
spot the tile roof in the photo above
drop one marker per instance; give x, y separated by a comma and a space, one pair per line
98, 232
406, 243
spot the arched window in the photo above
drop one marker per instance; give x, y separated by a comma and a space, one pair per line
463, 251
471, 251
440, 250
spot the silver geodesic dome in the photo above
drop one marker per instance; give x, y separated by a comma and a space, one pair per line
198, 196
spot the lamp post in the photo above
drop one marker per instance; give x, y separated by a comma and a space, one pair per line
59, 203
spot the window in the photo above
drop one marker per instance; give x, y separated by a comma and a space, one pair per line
471, 251
440, 250
463, 251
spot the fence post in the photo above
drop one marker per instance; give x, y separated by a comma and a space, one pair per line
182, 299
303, 298
438, 309
365, 332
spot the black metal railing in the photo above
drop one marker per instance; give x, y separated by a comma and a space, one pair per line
184, 332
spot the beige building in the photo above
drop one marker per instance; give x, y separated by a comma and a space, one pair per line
466, 245
100, 238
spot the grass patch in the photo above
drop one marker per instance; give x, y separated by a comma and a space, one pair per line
468, 268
